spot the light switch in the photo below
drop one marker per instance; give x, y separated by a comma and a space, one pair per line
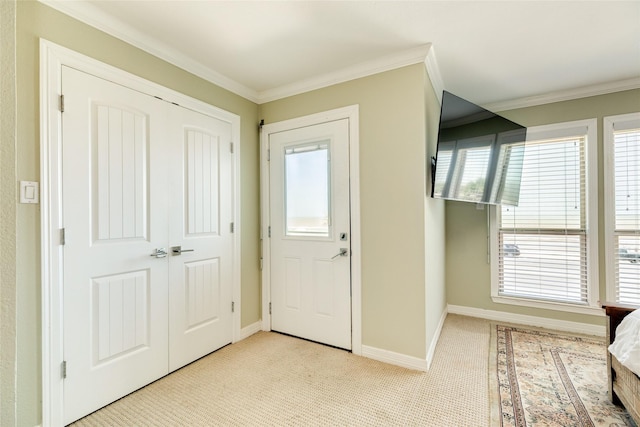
29, 192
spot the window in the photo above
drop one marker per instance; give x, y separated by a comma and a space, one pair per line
622, 207
544, 249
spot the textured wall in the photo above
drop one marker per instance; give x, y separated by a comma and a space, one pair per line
7, 212
434, 226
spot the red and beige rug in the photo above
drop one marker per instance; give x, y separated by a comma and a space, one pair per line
547, 379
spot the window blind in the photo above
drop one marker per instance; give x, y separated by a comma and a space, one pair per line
543, 242
626, 159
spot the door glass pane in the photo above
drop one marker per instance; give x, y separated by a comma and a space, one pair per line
307, 190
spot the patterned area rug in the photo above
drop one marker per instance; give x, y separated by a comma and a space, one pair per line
547, 379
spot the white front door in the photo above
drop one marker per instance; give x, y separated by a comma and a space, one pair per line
310, 233
148, 252
201, 242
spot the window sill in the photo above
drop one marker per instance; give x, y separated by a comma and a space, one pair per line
594, 310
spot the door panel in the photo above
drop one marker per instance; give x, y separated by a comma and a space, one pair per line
309, 211
119, 315
292, 283
115, 216
202, 289
202, 182
201, 276
119, 162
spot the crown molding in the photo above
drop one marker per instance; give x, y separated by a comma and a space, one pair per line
565, 95
434, 73
89, 14
390, 62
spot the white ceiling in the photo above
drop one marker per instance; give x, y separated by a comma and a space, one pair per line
489, 52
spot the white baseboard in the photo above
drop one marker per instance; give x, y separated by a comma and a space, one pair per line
247, 331
432, 347
541, 322
392, 358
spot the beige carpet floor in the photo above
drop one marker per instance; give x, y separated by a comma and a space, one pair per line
275, 380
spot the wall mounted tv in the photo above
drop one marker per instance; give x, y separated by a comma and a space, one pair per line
479, 155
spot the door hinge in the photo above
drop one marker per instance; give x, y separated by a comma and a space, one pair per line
232, 227
261, 264
269, 231
269, 308
268, 154
61, 106
231, 147
233, 307
62, 237
63, 369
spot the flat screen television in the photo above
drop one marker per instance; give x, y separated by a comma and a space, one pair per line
479, 155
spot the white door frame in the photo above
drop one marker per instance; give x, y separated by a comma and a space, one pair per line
352, 113
52, 58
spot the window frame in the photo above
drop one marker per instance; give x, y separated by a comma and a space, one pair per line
592, 306
608, 129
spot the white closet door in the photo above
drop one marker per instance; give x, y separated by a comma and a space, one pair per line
115, 219
201, 211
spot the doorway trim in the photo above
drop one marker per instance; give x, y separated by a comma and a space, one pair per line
352, 113
52, 58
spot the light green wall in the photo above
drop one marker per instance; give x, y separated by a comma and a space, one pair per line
436, 299
7, 212
392, 190
468, 275
34, 20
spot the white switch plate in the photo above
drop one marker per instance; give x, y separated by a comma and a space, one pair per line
29, 192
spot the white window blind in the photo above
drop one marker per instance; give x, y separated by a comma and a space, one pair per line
624, 143
542, 243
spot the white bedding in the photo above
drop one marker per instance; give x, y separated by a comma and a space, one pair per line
626, 346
